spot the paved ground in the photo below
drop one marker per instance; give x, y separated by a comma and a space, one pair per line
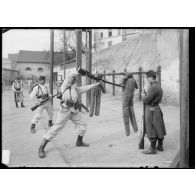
109, 147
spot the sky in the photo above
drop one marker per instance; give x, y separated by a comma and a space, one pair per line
21, 39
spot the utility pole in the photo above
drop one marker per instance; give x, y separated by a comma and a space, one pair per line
51, 61
64, 53
89, 67
184, 98
79, 56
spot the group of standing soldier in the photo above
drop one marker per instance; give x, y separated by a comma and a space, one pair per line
69, 109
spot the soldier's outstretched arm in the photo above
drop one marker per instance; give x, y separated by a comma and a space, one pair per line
86, 88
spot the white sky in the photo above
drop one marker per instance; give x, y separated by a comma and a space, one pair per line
19, 39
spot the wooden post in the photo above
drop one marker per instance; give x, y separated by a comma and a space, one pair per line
79, 57
51, 61
89, 67
64, 53
159, 75
113, 81
104, 78
184, 98
140, 83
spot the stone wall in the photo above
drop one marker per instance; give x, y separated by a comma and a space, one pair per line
151, 49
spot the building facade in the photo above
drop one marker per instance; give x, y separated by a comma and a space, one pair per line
6, 63
32, 64
104, 38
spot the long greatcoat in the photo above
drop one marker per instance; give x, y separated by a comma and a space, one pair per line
155, 126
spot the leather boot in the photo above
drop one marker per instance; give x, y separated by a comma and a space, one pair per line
16, 104
42, 153
80, 141
152, 149
33, 131
50, 123
160, 145
22, 105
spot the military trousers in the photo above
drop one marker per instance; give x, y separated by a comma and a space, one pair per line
63, 117
19, 97
39, 112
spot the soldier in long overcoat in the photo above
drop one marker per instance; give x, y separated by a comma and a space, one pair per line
155, 127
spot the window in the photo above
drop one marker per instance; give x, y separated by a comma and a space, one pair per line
110, 33
40, 69
28, 69
109, 43
101, 35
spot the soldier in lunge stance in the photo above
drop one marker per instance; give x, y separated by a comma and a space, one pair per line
40, 93
155, 128
17, 87
69, 110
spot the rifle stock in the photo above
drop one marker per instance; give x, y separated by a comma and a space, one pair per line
41, 103
143, 132
91, 76
15, 99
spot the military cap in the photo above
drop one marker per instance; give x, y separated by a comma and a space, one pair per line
151, 73
41, 78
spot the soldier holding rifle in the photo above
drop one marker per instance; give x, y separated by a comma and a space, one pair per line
69, 111
154, 123
41, 93
17, 87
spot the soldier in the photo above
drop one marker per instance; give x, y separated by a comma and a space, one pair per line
40, 93
69, 111
29, 85
17, 87
155, 128
129, 85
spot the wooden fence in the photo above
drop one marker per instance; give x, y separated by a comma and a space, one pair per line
140, 74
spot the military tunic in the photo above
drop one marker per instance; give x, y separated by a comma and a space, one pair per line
39, 90
155, 126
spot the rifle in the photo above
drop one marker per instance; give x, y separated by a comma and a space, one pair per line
143, 130
16, 101
91, 76
42, 102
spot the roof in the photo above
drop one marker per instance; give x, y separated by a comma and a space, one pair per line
33, 56
13, 57
38, 57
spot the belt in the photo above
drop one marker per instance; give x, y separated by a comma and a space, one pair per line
154, 105
76, 105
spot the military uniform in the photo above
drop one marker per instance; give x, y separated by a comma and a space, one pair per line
39, 93
17, 87
69, 110
127, 103
155, 127
153, 115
